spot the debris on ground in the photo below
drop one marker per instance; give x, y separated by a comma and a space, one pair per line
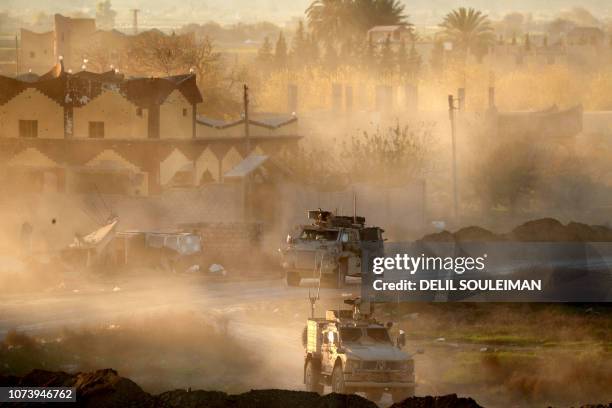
105, 388
217, 269
445, 401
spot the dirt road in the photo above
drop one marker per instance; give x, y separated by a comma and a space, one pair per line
105, 303
250, 310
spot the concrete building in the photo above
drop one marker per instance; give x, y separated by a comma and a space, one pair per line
135, 136
77, 41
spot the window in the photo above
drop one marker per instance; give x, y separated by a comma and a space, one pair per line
318, 235
28, 128
32, 54
96, 130
184, 111
139, 112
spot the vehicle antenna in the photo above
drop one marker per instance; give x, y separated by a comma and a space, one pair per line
354, 207
313, 301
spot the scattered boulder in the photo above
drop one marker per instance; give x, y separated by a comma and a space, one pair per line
445, 401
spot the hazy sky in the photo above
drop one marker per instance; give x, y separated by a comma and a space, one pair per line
172, 13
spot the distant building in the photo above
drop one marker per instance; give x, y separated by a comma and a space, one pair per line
396, 33
137, 136
75, 40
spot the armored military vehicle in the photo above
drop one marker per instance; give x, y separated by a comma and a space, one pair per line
351, 352
331, 248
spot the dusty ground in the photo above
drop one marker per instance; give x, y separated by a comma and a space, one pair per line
184, 331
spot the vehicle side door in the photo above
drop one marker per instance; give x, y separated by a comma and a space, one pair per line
352, 249
329, 348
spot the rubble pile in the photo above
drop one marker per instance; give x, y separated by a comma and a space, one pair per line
445, 401
105, 388
540, 230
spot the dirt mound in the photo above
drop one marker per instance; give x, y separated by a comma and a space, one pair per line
105, 388
445, 401
544, 229
102, 388
474, 233
540, 230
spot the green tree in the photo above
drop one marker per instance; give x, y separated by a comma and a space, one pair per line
105, 15
387, 57
437, 56
368, 57
402, 57
264, 55
527, 42
330, 20
469, 30
299, 46
330, 58
336, 20
280, 52
414, 62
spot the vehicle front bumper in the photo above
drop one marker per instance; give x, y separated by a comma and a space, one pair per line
373, 384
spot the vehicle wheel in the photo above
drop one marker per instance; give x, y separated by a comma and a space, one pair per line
292, 279
401, 394
337, 381
374, 395
312, 378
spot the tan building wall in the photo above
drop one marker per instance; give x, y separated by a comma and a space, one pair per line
176, 117
207, 162
119, 115
36, 52
32, 105
175, 162
230, 160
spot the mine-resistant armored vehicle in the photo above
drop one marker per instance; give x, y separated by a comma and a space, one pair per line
331, 248
352, 352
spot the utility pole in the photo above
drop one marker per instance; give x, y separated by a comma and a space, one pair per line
246, 185
246, 120
16, 56
135, 20
451, 115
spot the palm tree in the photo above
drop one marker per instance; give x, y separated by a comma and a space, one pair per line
469, 30
370, 13
330, 20
338, 20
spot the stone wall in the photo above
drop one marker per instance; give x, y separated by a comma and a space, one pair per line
233, 243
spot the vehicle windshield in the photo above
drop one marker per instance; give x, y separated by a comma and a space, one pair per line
367, 335
350, 334
318, 235
380, 335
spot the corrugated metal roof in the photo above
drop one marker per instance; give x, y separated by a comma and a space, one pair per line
246, 166
269, 120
